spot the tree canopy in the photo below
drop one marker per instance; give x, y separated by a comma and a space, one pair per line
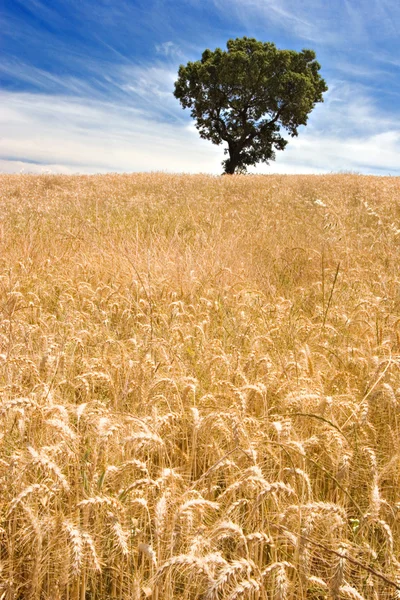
247, 94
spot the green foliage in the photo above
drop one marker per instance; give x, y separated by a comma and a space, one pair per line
244, 96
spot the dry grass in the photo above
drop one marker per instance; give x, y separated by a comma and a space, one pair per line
200, 387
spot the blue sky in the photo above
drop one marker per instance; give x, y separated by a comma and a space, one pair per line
86, 85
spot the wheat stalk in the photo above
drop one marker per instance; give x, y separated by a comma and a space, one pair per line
196, 400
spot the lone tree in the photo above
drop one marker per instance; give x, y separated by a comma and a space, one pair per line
245, 95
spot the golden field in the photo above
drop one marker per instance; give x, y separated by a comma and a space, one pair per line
200, 387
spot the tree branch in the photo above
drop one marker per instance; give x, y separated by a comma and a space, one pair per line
216, 116
265, 126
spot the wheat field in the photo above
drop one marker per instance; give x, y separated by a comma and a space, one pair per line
200, 387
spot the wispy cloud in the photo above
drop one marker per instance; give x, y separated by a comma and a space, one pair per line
141, 86
349, 132
361, 71
94, 136
342, 24
377, 154
44, 81
169, 49
152, 87
350, 109
307, 20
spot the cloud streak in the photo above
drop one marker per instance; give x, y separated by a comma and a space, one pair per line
169, 49
94, 136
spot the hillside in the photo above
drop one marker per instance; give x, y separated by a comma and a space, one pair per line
200, 387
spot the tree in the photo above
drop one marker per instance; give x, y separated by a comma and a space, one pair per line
244, 96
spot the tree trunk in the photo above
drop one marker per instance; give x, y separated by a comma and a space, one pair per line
230, 167
233, 161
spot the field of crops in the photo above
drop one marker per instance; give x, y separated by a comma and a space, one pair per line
200, 387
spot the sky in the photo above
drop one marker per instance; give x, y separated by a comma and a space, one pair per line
86, 86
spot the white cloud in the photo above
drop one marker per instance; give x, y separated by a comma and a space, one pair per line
152, 87
21, 166
169, 49
44, 80
335, 23
365, 71
386, 13
348, 132
77, 135
306, 20
317, 154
